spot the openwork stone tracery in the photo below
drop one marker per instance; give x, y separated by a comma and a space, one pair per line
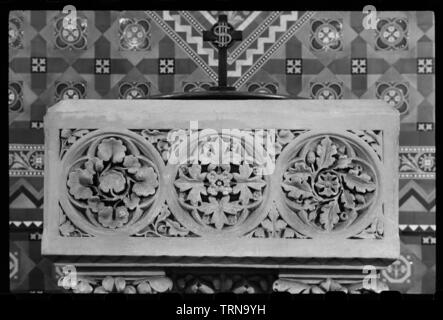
328, 182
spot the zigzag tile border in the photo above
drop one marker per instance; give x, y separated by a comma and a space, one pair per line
26, 224
255, 57
402, 227
282, 40
253, 36
258, 50
24, 195
417, 227
185, 46
415, 194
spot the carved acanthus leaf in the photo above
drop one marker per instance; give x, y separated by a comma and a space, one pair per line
68, 229
374, 231
274, 226
69, 136
165, 225
373, 138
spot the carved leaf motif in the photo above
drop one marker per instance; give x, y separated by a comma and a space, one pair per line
291, 286
329, 215
325, 152
312, 215
289, 233
144, 287
374, 230
284, 136
194, 184
259, 233
160, 284
73, 136
83, 287
267, 224
218, 209
131, 162
147, 182
343, 163
112, 181
111, 149
175, 229
348, 199
332, 285
131, 202
94, 165
65, 133
279, 225
78, 183
361, 182
309, 204
244, 182
108, 283
105, 216
298, 172
66, 227
298, 190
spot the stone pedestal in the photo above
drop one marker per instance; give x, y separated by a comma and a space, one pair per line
207, 196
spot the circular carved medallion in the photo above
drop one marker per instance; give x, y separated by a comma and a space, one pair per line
112, 182
329, 184
220, 187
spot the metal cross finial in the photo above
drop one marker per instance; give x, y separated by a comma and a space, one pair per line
222, 35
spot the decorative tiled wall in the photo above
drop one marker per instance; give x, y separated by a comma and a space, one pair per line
133, 55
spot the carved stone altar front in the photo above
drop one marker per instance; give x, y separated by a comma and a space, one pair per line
210, 196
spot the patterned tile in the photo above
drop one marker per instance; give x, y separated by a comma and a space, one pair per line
166, 66
102, 66
359, 66
425, 65
294, 66
38, 64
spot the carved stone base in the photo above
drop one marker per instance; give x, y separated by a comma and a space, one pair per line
87, 278
114, 282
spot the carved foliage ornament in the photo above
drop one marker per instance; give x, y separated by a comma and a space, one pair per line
152, 284
295, 286
112, 183
220, 193
214, 283
329, 183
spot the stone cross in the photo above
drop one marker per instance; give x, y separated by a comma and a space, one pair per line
222, 35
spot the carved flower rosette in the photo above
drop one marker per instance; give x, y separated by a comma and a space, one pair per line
330, 186
221, 186
112, 181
